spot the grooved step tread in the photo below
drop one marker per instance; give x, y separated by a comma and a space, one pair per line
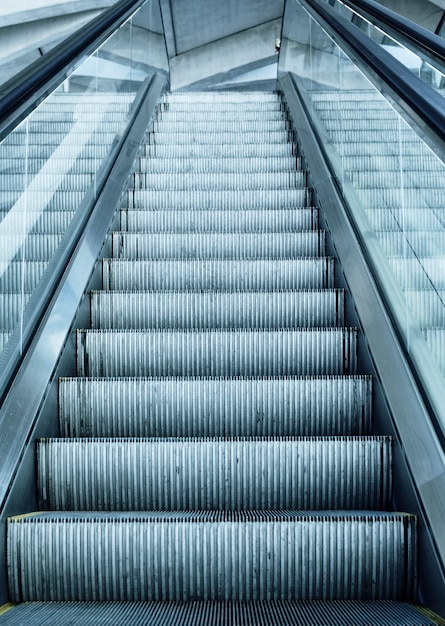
265, 613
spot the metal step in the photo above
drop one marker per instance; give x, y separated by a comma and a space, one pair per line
221, 138
216, 352
211, 180
427, 306
391, 179
416, 243
215, 407
44, 151
55, 139
391, 163
44, 181
11, 308
217, 245
230, 309
40, 200
405, 219
221, 274
232, 124
4, 338
264, 613
22, 275
214, 474
233, 165
176, 113
209, 150
219, 221
211, 556
419, 273
32, 166
237, 97
219, 199
413, 198
36, 247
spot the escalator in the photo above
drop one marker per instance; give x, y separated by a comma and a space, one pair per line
224, 450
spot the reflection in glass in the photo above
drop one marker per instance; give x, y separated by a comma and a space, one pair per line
51, 161
398, 182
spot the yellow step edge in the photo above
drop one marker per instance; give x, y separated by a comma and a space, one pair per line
6, 607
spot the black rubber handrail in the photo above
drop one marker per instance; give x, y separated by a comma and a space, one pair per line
423, 39
26, 90
422, 104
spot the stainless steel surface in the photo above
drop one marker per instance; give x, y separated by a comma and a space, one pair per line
212, 556
231, 309
218, 407
340, 613
217, 352
214, 474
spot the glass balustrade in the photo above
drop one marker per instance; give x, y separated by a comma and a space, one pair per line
393, 183
50, 164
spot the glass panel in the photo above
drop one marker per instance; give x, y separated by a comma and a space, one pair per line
396, 183
50, 162
429, 71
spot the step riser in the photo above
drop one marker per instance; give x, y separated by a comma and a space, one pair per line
216, 353
229, 125
219, 199
107, 475
187, 165
213, 181
228, 137
236, 150
223, 275
22, 276
220, 310
218, 246
307, 558
201, 221
215, 407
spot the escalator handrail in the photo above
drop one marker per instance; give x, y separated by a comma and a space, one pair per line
26, 90
423, 39
422, 104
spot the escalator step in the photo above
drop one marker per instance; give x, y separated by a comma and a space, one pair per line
188, 165
265, 613
216, 352
215, 407
214, 474
276, 309
219, 199
232, 124
22, 275
209, 150
217, 245
211, 556
221, 274
213, 181
177, 113
227, 137
192, 99
217, 221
